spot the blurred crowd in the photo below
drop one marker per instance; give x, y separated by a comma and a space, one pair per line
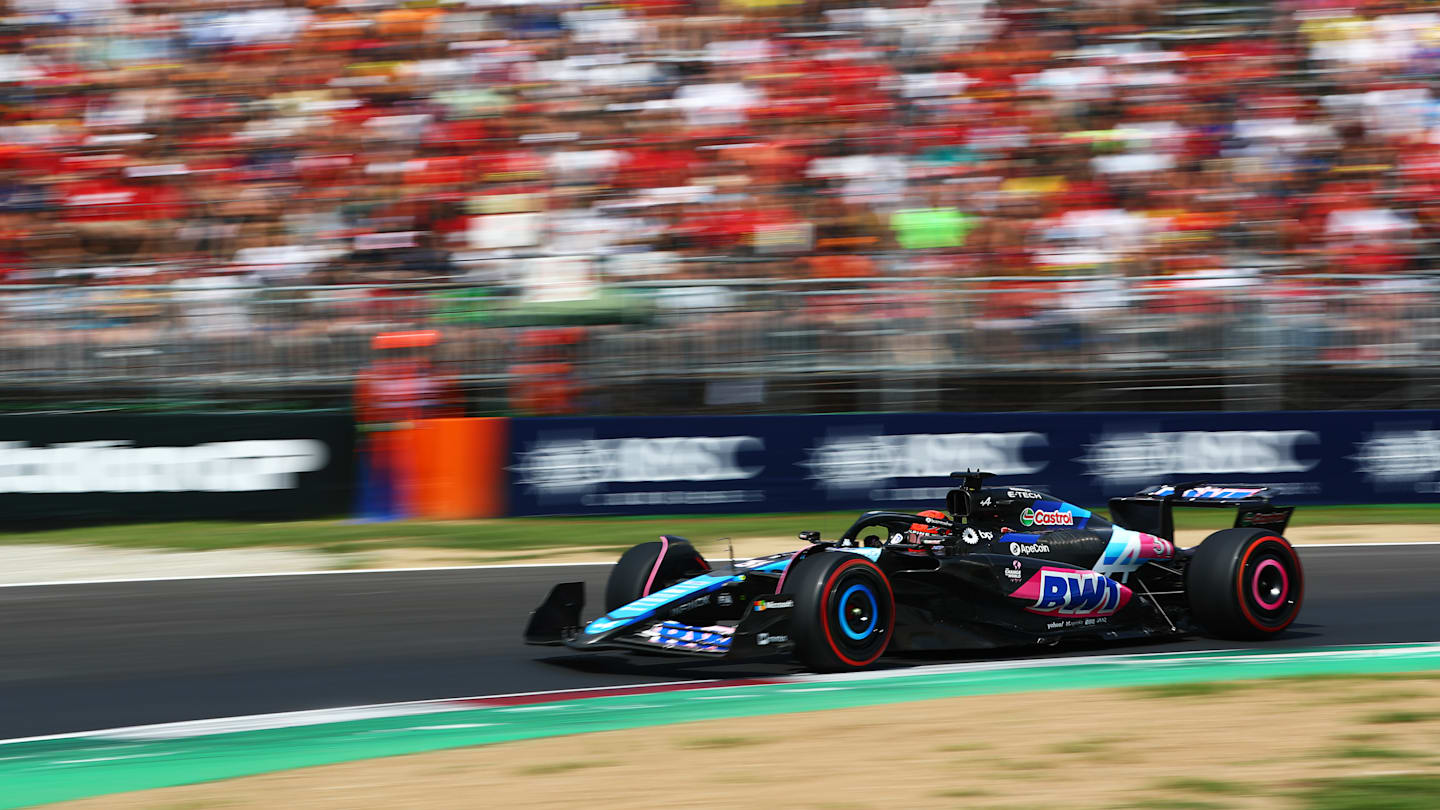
326, 141
553, 150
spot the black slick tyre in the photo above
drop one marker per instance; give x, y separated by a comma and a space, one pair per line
844, 613
1245, 584
648, 567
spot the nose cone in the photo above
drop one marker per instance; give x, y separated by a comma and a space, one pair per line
598, 630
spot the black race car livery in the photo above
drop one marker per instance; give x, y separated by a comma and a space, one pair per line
1000, 566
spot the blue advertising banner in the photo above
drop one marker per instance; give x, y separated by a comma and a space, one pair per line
811, 463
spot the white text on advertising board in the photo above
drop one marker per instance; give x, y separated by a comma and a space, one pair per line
1145, 456
869, 460
1400, 459
584, 464
117, 466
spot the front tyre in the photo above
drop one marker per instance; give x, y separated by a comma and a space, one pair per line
1245, 584
648, 567
844, 611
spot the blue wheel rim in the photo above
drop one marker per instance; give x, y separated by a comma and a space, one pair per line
872, 616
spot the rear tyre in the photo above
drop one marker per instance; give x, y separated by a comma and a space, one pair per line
648, 567
1245, 584
844, 611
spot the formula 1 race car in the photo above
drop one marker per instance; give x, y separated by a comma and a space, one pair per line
1001, 566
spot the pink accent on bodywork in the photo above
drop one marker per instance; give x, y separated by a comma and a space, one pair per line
1155, 548
664, 547
1032, 590
1255, 585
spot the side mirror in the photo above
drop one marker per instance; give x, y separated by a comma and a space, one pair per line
810, 537
957, 502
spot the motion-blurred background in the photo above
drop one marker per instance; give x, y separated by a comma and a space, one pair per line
740, 206
747, 266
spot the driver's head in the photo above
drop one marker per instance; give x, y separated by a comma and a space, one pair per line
924, 532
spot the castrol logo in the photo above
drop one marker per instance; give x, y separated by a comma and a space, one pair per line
1039, 517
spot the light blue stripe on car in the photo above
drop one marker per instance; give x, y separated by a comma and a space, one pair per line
646, 606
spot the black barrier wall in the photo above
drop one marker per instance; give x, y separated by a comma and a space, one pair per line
89, 467
804, 463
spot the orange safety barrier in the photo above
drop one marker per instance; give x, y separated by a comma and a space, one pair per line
459, 468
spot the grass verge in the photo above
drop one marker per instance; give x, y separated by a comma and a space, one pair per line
1398, 792
1189, 689
977, 753
516, 534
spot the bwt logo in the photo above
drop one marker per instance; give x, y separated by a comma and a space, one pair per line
1142, 456
1067, 592
867, 460
576, 465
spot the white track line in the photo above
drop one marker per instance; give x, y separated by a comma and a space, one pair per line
160, 731
1304, 546
303, 714
503, 566
119, 581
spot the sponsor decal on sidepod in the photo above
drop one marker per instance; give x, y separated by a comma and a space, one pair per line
1040, 517
1128, 550
1069, 592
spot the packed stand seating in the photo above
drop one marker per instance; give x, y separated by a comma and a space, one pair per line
564, 148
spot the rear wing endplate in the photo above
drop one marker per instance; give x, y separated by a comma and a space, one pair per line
1150, 509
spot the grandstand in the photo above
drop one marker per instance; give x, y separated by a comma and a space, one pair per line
744, 206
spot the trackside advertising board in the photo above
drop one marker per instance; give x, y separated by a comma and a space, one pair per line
807, 463
84, 467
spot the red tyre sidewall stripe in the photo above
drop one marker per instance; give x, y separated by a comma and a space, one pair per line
825, 611
1240, 583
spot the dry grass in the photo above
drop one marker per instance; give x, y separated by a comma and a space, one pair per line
1264, 746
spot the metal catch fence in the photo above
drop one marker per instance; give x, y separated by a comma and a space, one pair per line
1046, 343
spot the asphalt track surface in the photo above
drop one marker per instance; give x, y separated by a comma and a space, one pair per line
89, 656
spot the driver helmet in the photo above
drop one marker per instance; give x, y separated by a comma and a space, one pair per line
924, 532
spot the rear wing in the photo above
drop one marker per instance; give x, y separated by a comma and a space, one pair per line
1150, 509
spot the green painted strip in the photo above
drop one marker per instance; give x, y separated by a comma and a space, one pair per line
44, 771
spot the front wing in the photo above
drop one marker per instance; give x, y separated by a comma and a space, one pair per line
763, 628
